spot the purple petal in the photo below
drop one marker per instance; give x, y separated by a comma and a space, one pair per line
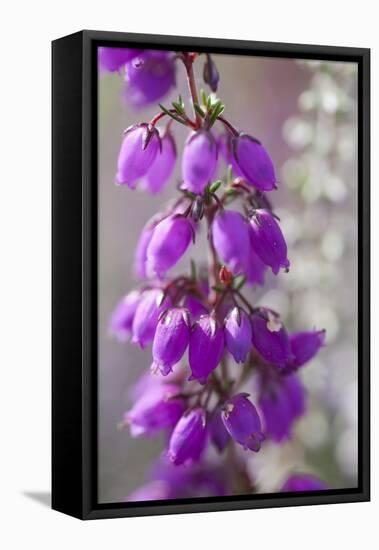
149, 77
267, 240
242, 421
189, 438
238, 334
169, 242
254, 162
138, 151
199, 161
206, 347
171, 339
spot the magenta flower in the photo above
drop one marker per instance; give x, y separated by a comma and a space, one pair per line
281, 402
254, 162
199, 161
149, 77
217, 431
303, 482
121, 322
157, 409
304, 346
169, 241
146, 316
171, 339
139, 148
238, 334
267, 240
231, 239
242, 421
206, 347
162, 167
189, 438
112, 59
270, 338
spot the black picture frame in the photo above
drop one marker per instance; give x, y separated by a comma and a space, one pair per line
74, 273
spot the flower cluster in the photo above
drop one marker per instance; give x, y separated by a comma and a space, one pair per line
208, 340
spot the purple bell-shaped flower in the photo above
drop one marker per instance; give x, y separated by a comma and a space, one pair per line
156, 409
189, 438
112, 59
199, 161
242, 421
171, 339
231, 239
162, 167
238, 334
304, 346
281, 402
139, 148
149, 77
267, 240
169, 241
147, 315
121, 322
254, 162
303, 482
206, 347
270, 338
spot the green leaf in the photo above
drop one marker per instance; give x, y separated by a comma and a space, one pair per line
199, 110
172, 115
203, 96
178, 107
215, 185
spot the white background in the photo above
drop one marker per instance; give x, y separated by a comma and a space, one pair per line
27, 29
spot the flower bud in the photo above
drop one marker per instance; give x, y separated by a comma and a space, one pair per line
254, 162
149, 77
270, 338
303, 482
139, 148
146, 316
171, 339
189, 438
162, 167
281, 402
206, 347
112, 59
199, 161
157, 409
225, 276
121, 321
237, 332
170, 240
267, 240
230, 235
241, 419
304, 346
210, 73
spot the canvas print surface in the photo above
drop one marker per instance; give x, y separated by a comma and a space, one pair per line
227, 268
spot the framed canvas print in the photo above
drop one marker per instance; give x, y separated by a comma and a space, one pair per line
210, 275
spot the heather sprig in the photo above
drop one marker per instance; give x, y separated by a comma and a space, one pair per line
209, 340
